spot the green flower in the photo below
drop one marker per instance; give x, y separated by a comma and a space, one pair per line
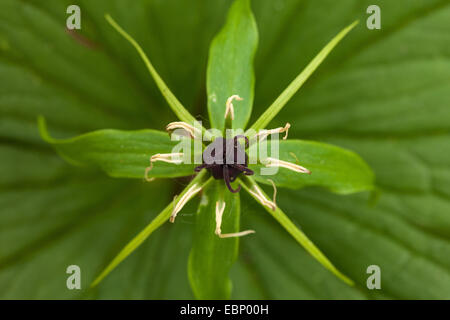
125, 154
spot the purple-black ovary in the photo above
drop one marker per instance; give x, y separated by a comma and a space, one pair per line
226, 159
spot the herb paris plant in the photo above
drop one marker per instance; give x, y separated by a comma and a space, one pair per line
230, 73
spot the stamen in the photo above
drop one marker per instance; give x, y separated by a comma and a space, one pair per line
294, 156
183, 200
274, 198
229, 106
165, 157
256, 192
265, 133
271, 162
220, 207
194, 132
146, 174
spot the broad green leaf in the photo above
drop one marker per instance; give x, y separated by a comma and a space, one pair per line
230, 66
297, 234
160, 219
121, 154
336, 169
77, 87
209, 272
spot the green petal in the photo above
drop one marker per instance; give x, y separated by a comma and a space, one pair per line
297, 234
211, 257
145, 233
293, 87
230, 66
173, 102
121, 154
283, 270
336, 169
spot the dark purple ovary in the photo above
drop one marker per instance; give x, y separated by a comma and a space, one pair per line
226, 159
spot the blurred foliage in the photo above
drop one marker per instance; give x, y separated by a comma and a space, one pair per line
382, 93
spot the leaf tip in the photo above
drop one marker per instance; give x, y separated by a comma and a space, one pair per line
96, 281
43, 131
108, 17
352, 26
355, 23
347, 280
347, 29
113, 23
